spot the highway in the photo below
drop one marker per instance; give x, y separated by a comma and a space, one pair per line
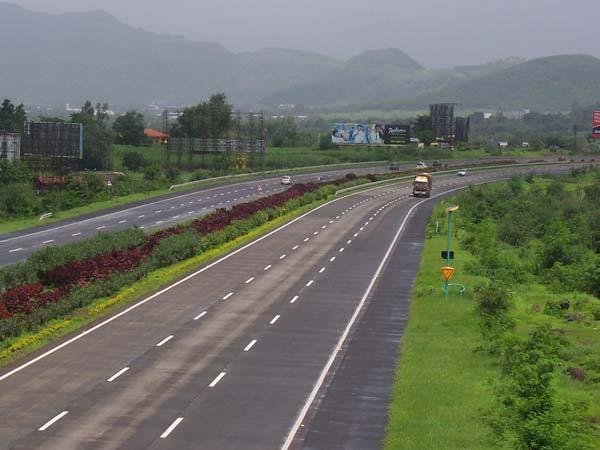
258, 350
157, 213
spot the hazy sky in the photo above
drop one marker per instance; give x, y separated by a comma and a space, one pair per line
437, 33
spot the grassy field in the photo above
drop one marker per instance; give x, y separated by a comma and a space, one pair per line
282, 158
444, 387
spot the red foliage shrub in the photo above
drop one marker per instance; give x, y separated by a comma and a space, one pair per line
24, 299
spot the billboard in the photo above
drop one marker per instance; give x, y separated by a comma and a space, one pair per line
397, 134
358, 133
596, 125
52, 148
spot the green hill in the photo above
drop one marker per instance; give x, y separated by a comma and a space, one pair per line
551, 83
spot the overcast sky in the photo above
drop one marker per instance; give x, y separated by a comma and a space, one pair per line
437, 33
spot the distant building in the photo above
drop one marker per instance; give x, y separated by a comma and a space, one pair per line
515, 115
157, 137
10, 146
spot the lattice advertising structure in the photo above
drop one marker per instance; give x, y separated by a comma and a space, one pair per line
442, 121
243, 140
52, 148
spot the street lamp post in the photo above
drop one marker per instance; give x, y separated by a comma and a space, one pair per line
450, 273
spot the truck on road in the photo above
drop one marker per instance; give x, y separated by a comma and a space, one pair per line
422, 185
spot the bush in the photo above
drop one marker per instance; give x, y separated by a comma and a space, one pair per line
200, 174
493, 300
175, 248
152, 172
133, 161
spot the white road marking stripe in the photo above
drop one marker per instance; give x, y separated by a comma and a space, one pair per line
227, 296
268, 267
341, 249
48, 241
122, 221
76, 234
250, 345
141, 217
310, 399
274, 319
322, 270
362, 228
199, 316
158, 211
249, 280
167, 289
355, 234
337, 217
331, 221
349, 241
168, 431
315, 233
324, 226
15, 250
306, 239
295, 247
294, 299
332, 259
118, 374
310, 283
164, 341
216, 380
52, 421
101, 227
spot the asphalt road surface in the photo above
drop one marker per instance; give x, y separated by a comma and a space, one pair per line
157, 213
258, 350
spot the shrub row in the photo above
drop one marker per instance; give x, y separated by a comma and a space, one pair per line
51, 290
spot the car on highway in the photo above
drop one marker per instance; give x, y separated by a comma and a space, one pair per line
286, 180
421, 166
462, 173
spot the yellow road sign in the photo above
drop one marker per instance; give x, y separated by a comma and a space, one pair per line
447, 272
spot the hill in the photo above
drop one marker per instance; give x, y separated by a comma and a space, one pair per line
55, 59
551, 84
379, 77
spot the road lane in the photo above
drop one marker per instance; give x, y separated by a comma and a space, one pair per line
256, 402
161, 212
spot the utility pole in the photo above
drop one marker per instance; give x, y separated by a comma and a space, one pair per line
448, 271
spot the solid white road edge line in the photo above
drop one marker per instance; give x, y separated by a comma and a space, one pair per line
325, 371
52, 421
177, 283
168, 431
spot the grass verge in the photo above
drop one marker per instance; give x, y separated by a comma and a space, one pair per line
441, 385
13, 349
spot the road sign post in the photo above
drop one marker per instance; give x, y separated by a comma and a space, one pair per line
448, 272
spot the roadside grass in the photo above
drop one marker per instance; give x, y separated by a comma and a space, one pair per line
13, 349
441, 384
444, 387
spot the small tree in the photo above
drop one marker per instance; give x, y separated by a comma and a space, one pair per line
129, 129
133, 161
